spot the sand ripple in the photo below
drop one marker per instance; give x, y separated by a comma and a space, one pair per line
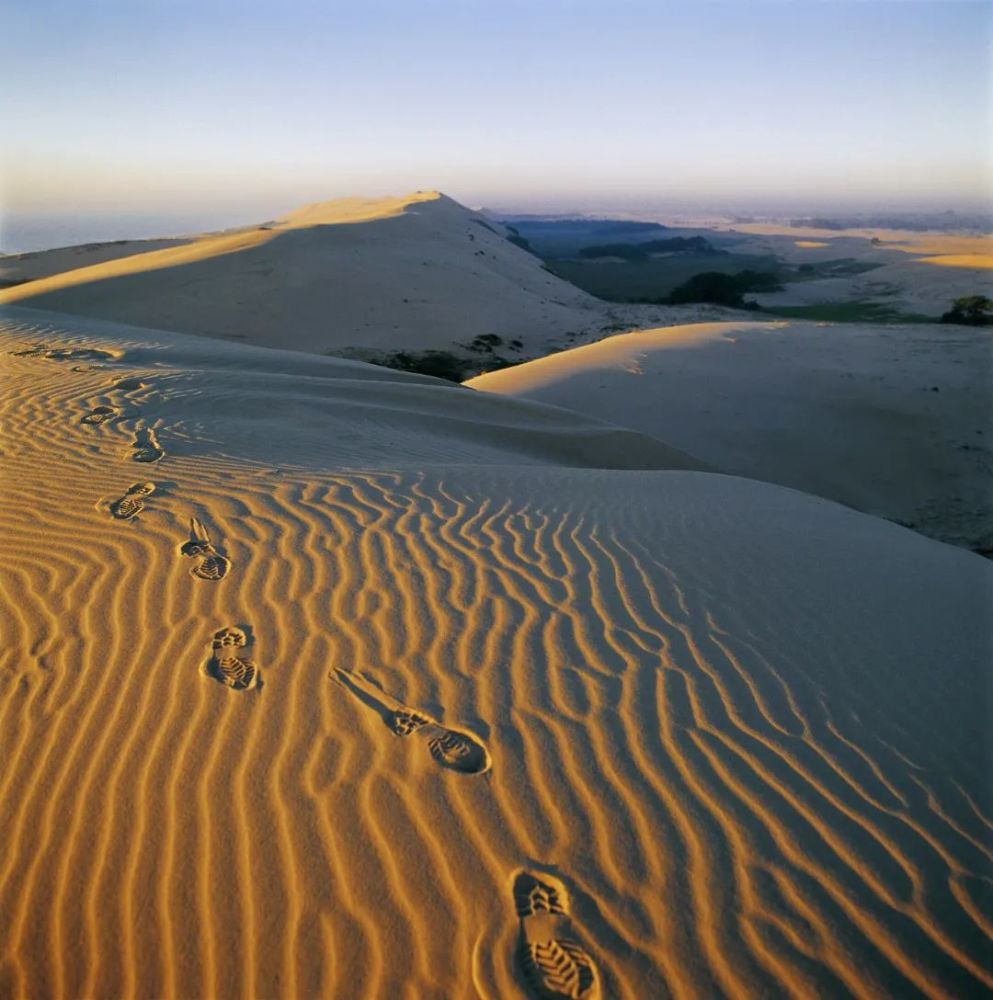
721, 738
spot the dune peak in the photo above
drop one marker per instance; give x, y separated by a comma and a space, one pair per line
340, 211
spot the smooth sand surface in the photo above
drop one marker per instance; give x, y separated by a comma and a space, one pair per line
323, 680
418, 272
893, 420
911, 286
910, 241
18, 268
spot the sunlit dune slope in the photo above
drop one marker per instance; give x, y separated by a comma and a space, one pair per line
977, 261
414, 273
889, 419
348, 683
18, 268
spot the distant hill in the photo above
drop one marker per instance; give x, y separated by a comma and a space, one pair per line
358, 277
641, 251
551, 236
922, 222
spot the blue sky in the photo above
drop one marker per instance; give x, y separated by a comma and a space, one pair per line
262, 106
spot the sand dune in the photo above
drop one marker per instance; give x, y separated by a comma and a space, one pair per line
420, 272
18, 268
972, 261
455, 712
893, 420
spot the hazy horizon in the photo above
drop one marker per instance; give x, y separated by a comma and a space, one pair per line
32, 232
177, 117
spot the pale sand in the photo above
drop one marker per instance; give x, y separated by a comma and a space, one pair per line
917, 273
685, 733
418, 272
910, 285
906, 240
355, 277
18, 268
893, 420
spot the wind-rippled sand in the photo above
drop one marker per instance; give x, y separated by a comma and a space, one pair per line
323, 680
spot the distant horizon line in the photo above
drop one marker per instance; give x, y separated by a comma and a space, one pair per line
31, 231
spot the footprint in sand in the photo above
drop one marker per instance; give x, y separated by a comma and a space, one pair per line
127, 384
133, 501
555, 963
100, 414
78, 354
146, 447
64, 353
453, 748
210, 564
229, 664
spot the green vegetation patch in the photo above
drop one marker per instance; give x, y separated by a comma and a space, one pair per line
723, 289
644, 250
440, 364
843, 267
653, 279
970, 310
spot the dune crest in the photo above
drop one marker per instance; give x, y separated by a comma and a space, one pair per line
351, 276
348, 210
210, 245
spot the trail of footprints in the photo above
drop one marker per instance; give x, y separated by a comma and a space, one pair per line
145, 446
64, 353
553, 961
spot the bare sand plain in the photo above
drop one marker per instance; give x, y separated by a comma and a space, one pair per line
917, 273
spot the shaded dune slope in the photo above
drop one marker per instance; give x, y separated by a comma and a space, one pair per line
706, 736
419, 272
895, 421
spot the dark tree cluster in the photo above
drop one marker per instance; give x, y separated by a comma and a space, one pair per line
970, 310
722, 289
643, 250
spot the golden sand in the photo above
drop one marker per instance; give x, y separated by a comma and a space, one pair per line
980, 261
323, 680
